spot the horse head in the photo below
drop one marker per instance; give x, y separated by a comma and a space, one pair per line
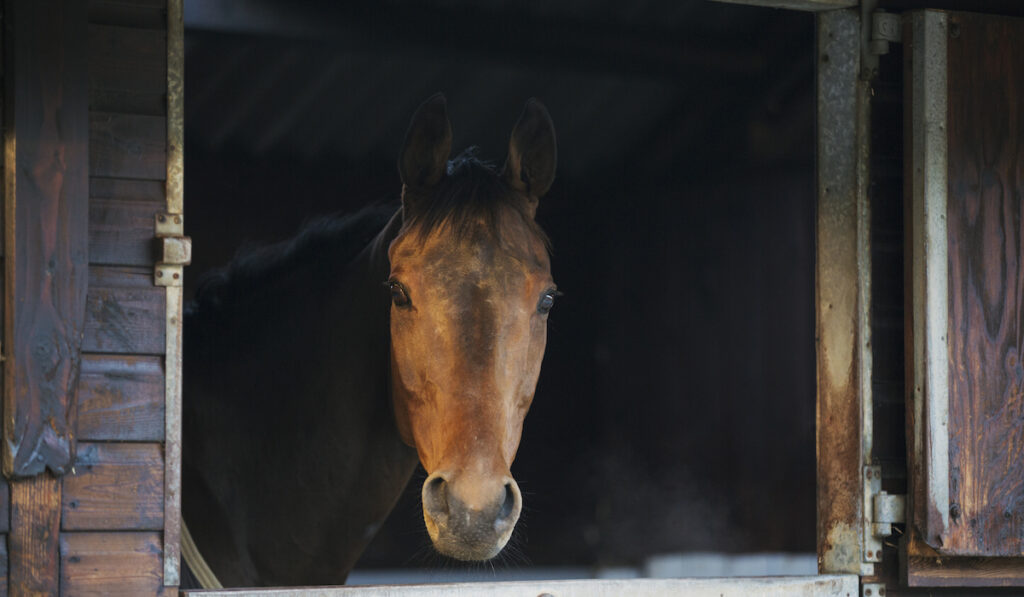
471, 288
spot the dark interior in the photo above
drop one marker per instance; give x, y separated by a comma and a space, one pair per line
675, 409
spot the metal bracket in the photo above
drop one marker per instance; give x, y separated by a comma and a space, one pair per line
881, 511
872, 589
886, 28
175, 250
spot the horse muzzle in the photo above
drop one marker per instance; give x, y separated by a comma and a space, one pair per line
470, 517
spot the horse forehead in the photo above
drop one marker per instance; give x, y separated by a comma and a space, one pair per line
455, 263
475, 272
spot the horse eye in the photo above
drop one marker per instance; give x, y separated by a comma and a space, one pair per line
399, 296
547, 301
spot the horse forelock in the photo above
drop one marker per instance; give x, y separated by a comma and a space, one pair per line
471, 199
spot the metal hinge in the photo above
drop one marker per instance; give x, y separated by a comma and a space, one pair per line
175, 250
886, 28
881, 511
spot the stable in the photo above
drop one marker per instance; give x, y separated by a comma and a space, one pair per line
919, 253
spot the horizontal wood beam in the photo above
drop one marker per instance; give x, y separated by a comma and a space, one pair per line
511, 37
811, 5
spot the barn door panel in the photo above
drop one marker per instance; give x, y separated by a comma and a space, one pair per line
965, 76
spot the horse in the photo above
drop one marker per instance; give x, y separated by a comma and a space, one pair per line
317, 372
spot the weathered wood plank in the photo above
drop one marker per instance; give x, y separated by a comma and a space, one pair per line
127, 190
127, 70
927, 568
111, 564
124, 312
121, 398
34, 557
122, 232
809, 5
116, 486
127, 146
46, 233
3, 565
150, 14
985, 211
5, 505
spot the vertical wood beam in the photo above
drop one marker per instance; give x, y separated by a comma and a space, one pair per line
46, 230
46, 194
34, 566
843, 274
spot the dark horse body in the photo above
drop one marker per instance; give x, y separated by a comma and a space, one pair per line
309, 397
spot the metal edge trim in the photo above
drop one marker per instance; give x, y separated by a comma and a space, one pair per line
172, 363
930, 262
806, 586
840, 290
865, 361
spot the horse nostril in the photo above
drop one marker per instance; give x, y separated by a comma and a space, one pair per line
508, 506
435, 495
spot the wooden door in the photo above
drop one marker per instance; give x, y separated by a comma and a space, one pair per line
964, 81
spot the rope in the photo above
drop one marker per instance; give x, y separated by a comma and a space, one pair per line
207, 579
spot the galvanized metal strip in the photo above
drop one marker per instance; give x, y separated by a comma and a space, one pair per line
175, 205
930, 265
175, 107
800, 586
843, 295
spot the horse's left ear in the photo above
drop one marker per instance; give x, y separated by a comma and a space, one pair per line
532, 154
427, 145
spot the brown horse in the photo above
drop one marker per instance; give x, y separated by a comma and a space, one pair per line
308, 397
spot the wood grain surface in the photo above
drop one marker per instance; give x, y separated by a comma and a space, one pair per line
124, 312
115, 486
121, 398
34, 565
111, 565
46, 234
986, 286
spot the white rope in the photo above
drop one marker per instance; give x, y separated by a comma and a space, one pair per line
207, 579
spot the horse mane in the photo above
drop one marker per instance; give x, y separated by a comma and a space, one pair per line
471, 192
326, 243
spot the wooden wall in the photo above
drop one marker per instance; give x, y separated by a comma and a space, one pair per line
110, 505
113, 504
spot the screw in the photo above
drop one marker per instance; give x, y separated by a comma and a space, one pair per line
867, 592
159, 273
871, 554
162, 219
177, 219
881, 591
175, 276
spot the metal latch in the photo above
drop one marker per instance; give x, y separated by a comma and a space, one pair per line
881, 511
175, 250
886, 28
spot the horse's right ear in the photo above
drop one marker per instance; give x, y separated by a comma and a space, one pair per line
427, 145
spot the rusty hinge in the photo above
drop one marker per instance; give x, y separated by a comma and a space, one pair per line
881, 511
175, 250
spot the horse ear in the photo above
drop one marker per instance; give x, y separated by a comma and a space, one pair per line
532, 154
427, 145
